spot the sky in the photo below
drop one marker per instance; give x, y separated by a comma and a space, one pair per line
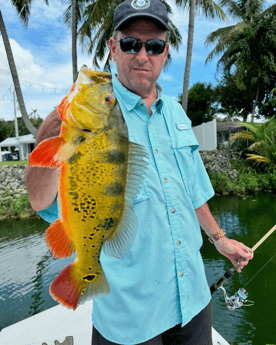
43, 57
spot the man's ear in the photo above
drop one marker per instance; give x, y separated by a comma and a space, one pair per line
166, 52
112, 44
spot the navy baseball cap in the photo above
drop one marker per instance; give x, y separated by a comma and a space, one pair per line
153, 9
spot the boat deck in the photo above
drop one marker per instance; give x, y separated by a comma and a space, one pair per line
57, 323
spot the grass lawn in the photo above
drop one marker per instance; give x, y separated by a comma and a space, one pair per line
14, 163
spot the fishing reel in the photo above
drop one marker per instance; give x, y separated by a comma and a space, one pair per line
238, 300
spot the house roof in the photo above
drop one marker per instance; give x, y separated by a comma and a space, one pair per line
24, 139
228, 126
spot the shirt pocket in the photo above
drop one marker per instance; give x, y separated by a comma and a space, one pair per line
143, 193
184, 147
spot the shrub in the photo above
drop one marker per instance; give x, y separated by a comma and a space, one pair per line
21, 204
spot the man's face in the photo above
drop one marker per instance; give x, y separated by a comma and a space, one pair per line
139, 72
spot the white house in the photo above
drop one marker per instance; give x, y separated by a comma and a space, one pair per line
25, 145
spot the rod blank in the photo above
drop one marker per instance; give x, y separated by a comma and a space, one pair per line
263, 238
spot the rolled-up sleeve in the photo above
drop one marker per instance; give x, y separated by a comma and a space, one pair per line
51, 213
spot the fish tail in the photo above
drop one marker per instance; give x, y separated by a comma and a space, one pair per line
73, 287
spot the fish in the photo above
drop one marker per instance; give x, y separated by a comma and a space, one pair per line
100, 175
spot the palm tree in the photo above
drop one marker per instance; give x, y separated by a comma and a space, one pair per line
74, 39
263, 138
247, 46
210, 9
72, 17
23, 10
97, 28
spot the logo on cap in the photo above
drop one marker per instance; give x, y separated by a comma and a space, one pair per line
140, 4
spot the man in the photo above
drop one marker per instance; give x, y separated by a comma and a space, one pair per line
159, 293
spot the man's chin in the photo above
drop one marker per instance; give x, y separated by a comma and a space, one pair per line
141, 82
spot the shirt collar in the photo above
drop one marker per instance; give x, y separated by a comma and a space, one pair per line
129, 98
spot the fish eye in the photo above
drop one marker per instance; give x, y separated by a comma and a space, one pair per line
108, 99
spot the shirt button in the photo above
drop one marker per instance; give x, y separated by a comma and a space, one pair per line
165, 179
149, 123
173, 210
156, 151
141, 103
178, 243
181, 274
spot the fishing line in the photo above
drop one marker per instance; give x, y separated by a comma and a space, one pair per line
259, 270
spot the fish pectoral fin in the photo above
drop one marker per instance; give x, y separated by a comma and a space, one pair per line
58, 241
67, 150
44, 153
119, 242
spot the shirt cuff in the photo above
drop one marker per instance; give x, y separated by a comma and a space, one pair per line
51, 213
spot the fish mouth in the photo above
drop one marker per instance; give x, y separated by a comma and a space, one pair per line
85, 130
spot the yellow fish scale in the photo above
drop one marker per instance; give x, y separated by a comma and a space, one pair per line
95, 196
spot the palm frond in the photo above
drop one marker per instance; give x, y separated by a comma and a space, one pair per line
241, 135
210, 9
255, 145
233, 8
258, 159
23, 8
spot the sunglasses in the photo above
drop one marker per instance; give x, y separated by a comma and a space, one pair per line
131, 45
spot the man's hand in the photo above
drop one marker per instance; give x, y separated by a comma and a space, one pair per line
234, 251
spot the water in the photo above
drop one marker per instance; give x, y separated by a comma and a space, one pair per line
27, 270
246, 221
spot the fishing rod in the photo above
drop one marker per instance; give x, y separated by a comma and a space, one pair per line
239, 299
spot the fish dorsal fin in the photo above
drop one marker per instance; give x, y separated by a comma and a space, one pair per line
119, 243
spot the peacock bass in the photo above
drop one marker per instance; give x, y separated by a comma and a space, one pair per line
100, 174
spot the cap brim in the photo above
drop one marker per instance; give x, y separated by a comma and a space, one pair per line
163, 25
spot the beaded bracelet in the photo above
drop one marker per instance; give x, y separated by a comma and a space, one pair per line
215, 237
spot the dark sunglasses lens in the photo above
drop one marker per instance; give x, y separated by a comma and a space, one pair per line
130, 45
155, 47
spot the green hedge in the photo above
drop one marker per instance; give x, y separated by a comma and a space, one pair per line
247, 181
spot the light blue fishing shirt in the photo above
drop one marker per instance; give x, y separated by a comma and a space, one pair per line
161, 281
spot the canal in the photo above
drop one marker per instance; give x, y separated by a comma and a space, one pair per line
27, 270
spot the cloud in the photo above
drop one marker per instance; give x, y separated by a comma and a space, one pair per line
26, 67
166, 77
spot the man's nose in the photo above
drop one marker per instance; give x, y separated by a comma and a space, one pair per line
142, 55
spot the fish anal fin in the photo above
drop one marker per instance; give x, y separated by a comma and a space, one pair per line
44, 153
70, 288
120, 241
58, 241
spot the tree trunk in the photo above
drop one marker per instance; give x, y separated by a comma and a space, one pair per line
15, 79
74, 39
255, 103
189, 55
